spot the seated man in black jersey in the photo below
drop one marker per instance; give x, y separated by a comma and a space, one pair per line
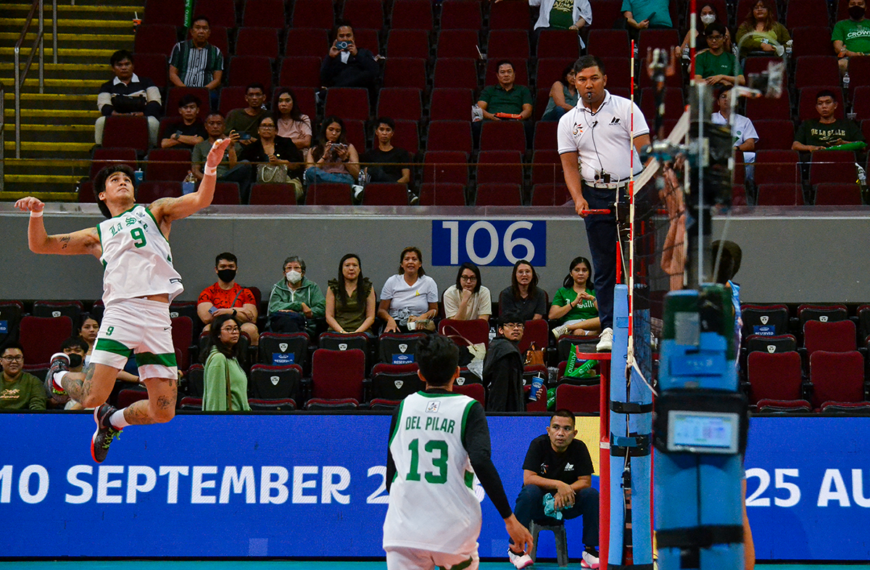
559, 464
386, 163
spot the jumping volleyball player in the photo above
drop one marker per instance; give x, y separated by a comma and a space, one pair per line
438, 441
139, 282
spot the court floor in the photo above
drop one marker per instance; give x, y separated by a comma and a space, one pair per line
298, 565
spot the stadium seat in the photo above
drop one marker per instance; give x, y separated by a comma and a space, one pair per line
152, 39
367, 14
461, 15
675, 80
176, 93
767, 344
822, 313
218, 12
104, 157
313, 14
550, 195
281, 349
764, 320
148, 191
10, 316
272, 195
347, 103
169, 12
859, 73
408, 43
167, 164
508, 44
542, 98
775, 376
806, 13
817, 70
356, 134
232, 98
220, 38
195, 381
614, 43
450, 135
509, 16
42, 336
547, 169
521, 70
558, 44
777, 167
833, 166
398, 348
579, 399
257, 42
774, 135
499, 195
861, 102
126, 131
811, 40
787, 194
766, 108
265, 14
303, 71
836, 336
673, 100
328, 195
657, 39
129, 396
463, 333
394, 382
536, 331
412, 15
405, 137
838, 194
276, 382
836, 377
455, 73
445, 167
863, 323
383, 194
55, 309
345, 341
190, 404
442, 194
338, 374
450, 104
606, 13
503, 135
475, 391
405, 72
499, 167
807, 107
458, 44
182, 339
227, 194
367, 39
302, 42
545, 135
154, 66
550, 70
245, 70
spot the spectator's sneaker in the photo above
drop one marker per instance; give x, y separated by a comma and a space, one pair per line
606, 342
590, 560
520, 560
59, 363
105, 432
559, 331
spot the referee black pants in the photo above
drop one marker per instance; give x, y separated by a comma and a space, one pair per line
602, 234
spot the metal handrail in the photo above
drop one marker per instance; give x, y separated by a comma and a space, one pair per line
2, 137
38, 43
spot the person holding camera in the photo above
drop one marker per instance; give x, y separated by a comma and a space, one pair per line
332, 159
347, 65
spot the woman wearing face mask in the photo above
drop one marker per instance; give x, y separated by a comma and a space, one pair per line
852, 36
761, 19
410, 296
523, 296
350, 299
574, 304
292, 124
225, 386
295, 303
706, 16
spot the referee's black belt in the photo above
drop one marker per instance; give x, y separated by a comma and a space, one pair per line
619, 185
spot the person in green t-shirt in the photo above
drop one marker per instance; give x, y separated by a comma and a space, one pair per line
18, 389
827, 130
574, 305
716, 66
852, 37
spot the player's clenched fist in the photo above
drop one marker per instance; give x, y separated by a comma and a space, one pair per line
30, 204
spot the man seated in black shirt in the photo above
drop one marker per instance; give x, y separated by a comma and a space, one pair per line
559, 464
189, 131
396, 161
503, 367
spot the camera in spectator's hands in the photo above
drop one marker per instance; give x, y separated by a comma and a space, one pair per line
342, 46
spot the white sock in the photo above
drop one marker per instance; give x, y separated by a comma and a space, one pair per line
58, 378
117, 420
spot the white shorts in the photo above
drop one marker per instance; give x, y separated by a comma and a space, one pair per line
416, 559
137, 326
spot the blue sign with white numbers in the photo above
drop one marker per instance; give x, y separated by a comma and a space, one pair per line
489, 242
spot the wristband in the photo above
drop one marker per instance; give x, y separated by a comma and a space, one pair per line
36, 214
210, 170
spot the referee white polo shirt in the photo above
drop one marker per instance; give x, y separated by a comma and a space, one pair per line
602, 139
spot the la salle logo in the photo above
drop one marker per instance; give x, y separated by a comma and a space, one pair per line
342, 346
764, 319
398, 384
55, 314
275, 380
283, 346
771, 349
460, 380
823, 318
403, 348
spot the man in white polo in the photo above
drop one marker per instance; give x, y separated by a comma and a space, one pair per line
596, 136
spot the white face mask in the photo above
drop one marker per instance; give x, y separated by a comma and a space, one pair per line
294, 277
708, 19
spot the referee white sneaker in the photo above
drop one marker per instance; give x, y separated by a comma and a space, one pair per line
520, 560
606, 342
590, 560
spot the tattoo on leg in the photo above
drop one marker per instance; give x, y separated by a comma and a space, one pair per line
137, 413
74, 383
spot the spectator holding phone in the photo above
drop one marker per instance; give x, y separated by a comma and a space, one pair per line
332, 158
245, 121
230, 169
347, 65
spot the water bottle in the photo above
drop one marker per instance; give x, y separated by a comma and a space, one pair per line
138, 177
492, 333
862, 176
846, 80
189, 184
788, 46
686, 52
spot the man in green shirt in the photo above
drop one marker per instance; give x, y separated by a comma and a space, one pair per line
18, 389
716, 65
506, 98
247, 120
827, 130
852, 37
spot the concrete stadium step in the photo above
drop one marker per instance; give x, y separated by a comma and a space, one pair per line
60, 133
67, 11
73, 41
94, 71
59, 196
11, 24
78, 114
55, 101
55, 147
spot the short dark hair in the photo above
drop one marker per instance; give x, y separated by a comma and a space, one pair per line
723, 90
588, 61
729, 264
826, 93
385, 121
75, 341
505, 62
215, 114
474, 269
297, 259
88, 316
17, 345
255, 86
406, 251
510, 317
338, 25
198, 18
120, 56
100, 183
226, 256
715, 26
438, 358
563, 413
188, 99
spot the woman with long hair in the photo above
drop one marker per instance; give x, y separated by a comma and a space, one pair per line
409, 296
271, 152
291, 123
332, 158
574, 305
706, 16
563, 96
523, 296
350, 298
225, 385
761, 19
468, 299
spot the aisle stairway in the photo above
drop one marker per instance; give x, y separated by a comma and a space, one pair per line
57, 126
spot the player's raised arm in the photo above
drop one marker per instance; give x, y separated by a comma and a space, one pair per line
167, 210
82, 242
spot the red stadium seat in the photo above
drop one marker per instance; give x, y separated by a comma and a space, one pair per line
406, 137
405, 72
558, 44
412, 15
356, 134
151, 191
154, 38
182, 339
272, 195
303, 71
806, 13
536, 331
347, 103
614, 43
550, 70
859, 72
129, 396
816, 70
861, 102
408, 43
813, 40
167, 164
777, 167
500, 166
245, 70
264, 14
838, 194
154, 66
832, 166
328, 195
547, 168
450, 104
503, 135
218, 12
126, 131
674, 105
367, 14
338, 374
579, 399
302, 42
445, 167
836, 377
787, 194
164, 12
382, 194
400, 103
542, 98
461, 15
220, 38
774, 376
774, 135
450, 135
456, 73
769, 109
545, 135
476, 391
675, 80
509, 16
606, 13
313, 14
226, 193
658, 39
257, 42
499, 195
474, 331
367, 39
458, 43
232, 98
550, 195
42, 336
445, 194
836, 336
508, 44
104, 157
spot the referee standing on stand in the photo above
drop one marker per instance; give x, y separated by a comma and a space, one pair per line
595, 147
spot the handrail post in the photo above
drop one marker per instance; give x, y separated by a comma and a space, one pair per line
2, 137
41, 47
17, 103
54, 29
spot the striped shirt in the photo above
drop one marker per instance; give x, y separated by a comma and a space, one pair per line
196, 66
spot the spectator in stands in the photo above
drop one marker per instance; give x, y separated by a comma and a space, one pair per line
409, 296
827, 130
645, 14
225, 385
468, 299
188, 132
574, 304
128, 94
563, 96
226, 297
772, 35
745, 136
562, 15
88, 333
717, 65
18, 389
503, 367
229, 170
296, 304
274, 156
332, 158
707, 15
506, 100
246, 120
523, 296
396, 161
292, 124
347, 65
350, 298
852, 37
196, 63
76, 349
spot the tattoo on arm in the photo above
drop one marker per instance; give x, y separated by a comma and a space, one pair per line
64, 241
